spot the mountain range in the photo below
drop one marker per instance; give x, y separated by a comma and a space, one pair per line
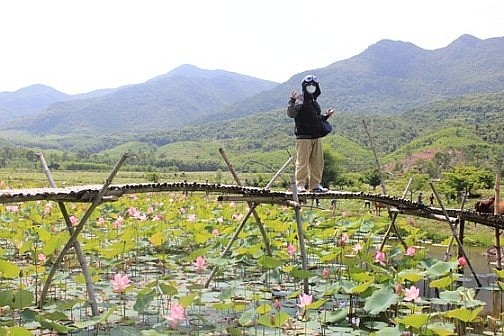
387, 81
388, 77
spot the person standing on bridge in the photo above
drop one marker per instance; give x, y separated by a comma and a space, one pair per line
307, 115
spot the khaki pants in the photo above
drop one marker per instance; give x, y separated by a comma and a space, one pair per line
309, 162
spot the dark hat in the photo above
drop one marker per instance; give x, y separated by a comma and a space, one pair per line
309, 79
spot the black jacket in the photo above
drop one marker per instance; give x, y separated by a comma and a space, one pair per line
307, 114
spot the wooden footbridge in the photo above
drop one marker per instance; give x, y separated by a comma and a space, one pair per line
108, 192
234, 193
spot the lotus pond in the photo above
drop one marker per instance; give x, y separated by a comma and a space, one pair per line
150, 257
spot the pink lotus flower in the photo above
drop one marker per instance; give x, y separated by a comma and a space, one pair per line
277, 304
48, 208
237, 217
200, 263
141, 216
380, 258
73, 220
410, 251
399, 289
291, 250
344, 239
325, 273
118, 222
41, 257
462, 262
215, 232
132, 211
305, 300
191, 217
357, 247
12, 208
177, 314
120, 283
412, 294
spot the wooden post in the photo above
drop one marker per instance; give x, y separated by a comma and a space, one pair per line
80, 255
392, 225
496, 212
454, 234
252, 207
299, 223
377, 161
95, 202
460, 233
461, 236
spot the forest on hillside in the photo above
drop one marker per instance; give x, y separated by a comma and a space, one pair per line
469, 127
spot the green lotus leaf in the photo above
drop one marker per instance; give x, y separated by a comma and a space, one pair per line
441, 268
18, 331
301, 274
414, 320
499, 273
464, 314
143, 300
501, 285
442, 282
224, 306
263, 309
362, 287
442, 329
247, 317
8, 269
389, 331
269, 262
334, 316
380, 301
317, 304
412, 275
22, 299
362, 276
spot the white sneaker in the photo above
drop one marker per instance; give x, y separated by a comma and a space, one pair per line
301, 189
319, 189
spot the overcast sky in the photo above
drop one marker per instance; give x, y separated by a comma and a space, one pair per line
77, 46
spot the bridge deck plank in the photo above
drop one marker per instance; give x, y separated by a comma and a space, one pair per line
86, 193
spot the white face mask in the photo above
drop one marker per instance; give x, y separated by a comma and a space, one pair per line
311, 89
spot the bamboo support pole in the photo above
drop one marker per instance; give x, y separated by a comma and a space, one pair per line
392, 216
448, 248
96, 201
80, 255
251, 206
251, 210
496, 212
454, 234
301, 240
392, 225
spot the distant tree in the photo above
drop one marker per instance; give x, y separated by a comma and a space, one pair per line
372, 177
332, 169
467, 178
419, 182
430, 168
